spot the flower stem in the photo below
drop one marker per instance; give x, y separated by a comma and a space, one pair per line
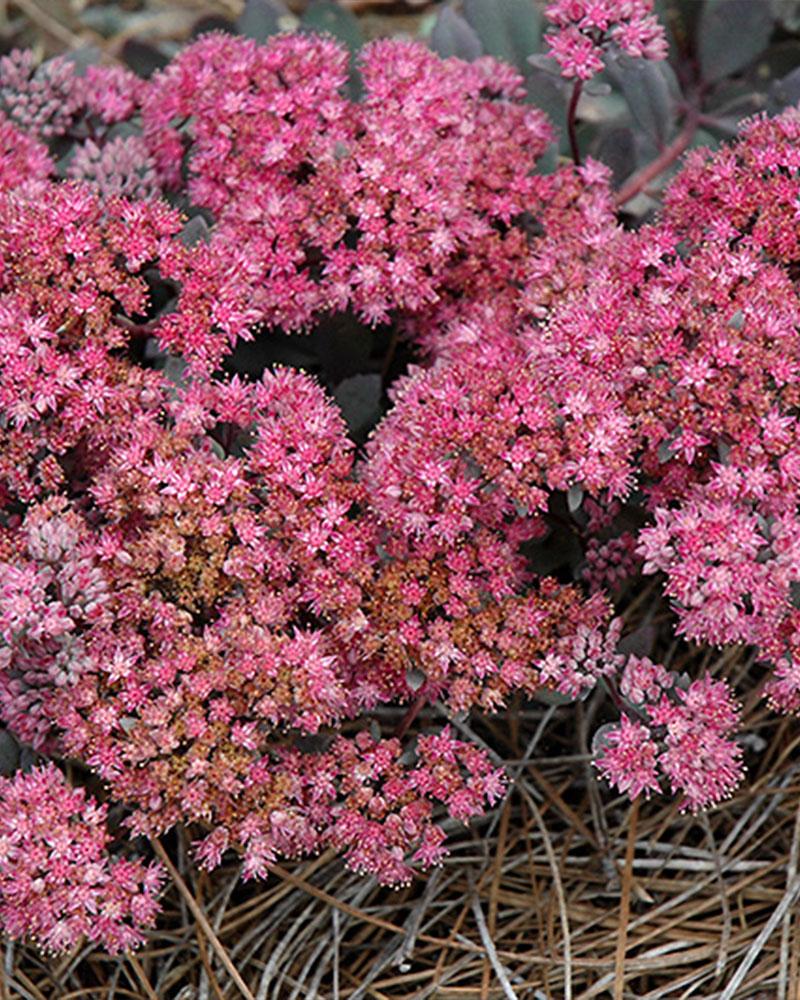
413, 711
571, 112
679, 145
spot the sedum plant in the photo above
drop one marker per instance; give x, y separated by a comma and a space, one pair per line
208, 590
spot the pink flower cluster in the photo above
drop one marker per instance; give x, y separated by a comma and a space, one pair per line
578, 661
22, 158
695, 320
247, 600
729, 569
586, 28
418, 202
227, 517
58, 884
674, 732
461, 471
363, 799
45, 603
70, 265
483, 438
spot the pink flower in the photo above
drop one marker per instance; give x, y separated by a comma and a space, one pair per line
403, 195
586, 28
576, 53
700, 760
628, 759
203, 581
23, 159
684, 735
57, 883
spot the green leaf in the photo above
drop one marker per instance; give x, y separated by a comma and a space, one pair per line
453, 36
731, 34
784, 92
703, 139
560, 550
109, 20
326, 16
640, 642
574, 498
262, 18
9, 753
616, 147
143, 58
549, 697
195, 231
122, 130
212, 22
600, 737
787, 13
84, 57
548, 93
343, 345
775, 61
672, 19
359, 399
610, 108
731, 104
415, 678
508, 29
652, 93
270, 348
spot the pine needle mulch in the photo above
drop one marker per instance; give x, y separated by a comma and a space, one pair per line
563, 891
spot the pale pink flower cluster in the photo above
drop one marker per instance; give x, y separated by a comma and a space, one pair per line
46, 601
110, 94
577, 662
58, 884
674, 732
586, 28
41, 100
46, 99
122, 167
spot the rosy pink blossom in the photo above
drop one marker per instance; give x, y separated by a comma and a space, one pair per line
679, 733
586, 28
58, 884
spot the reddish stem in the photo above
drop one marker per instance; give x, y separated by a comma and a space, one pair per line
413, 711
135, 329
679, 145
571, 113
616, 697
